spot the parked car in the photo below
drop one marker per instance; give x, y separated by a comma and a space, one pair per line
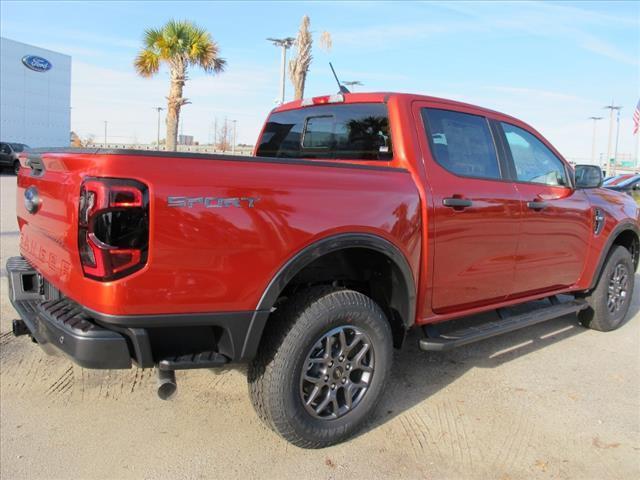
629, 185
360, 217
617, 179
9, 155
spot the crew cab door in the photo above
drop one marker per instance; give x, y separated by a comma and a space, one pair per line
475, 214
556, 218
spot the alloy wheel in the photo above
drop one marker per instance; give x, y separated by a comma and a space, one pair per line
337, 373
618, 291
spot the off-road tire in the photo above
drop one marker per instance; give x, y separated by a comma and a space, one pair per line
598, 316
275, 374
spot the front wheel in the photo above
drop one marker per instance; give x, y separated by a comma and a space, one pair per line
322, 367
16, 167
609, 302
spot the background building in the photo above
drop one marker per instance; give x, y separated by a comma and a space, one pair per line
35, 95
185, 140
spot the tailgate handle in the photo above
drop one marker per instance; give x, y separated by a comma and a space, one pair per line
457, 202
34, 161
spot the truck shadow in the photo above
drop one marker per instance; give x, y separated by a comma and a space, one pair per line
417, 375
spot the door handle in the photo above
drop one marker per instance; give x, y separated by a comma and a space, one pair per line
537, 205
456, 202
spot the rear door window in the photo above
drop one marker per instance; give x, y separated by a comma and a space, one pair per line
461, 143
357, 131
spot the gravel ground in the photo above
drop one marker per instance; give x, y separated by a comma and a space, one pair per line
551, 401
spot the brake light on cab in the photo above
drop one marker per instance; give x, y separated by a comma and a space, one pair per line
113, 227
322, 100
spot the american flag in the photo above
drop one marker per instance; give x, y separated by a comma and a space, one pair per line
636, 118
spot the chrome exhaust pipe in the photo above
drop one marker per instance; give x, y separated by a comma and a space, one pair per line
166, 384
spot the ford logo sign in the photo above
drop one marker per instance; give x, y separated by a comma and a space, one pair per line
31, 200
35, 63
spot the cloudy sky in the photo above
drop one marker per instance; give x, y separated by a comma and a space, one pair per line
550, 64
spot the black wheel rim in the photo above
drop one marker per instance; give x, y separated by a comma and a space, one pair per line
618, 292
337, 373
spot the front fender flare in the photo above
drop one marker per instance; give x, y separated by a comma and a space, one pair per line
604, 254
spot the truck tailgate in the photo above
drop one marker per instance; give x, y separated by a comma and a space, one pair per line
48, 234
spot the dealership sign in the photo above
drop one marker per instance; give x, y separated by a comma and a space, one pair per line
35, 63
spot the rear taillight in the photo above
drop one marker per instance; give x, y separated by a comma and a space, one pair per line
113, 227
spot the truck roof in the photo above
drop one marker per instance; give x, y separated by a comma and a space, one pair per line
383, 97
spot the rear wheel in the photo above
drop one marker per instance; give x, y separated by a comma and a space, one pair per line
609, 302
16, 167
322, 366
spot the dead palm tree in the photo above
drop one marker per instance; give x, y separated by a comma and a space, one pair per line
299, 65
179, 45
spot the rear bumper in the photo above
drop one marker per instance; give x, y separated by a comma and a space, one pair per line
95, 340
58, 324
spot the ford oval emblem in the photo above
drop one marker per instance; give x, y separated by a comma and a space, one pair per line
37, 64
31, 200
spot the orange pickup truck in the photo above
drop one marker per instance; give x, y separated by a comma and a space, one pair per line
359, 217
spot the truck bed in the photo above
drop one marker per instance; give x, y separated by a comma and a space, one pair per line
216, 248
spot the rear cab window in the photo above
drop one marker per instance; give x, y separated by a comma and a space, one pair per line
352, 131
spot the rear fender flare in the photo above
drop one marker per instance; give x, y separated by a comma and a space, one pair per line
316, 250
340, 242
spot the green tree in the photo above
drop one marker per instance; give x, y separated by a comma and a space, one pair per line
179, 45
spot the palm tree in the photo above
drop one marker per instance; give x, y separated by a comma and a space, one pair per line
180, 45
299, 65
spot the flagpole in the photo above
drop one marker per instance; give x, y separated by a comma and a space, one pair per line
636, 132
637, 135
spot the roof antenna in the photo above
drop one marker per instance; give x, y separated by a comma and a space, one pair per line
342, 88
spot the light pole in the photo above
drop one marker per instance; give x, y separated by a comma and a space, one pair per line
285, 44
615, 154
215, 134
352, 83
105, 133
593, 141
226, 135
611, 108
233, 145
159, 109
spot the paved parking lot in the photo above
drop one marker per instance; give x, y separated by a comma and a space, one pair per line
552, 401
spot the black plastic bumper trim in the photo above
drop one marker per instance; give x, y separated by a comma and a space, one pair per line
58, 325
99, 340
244, 328
107, 351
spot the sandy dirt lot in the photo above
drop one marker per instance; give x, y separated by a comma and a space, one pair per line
551, 401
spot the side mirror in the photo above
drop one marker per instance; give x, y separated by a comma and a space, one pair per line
588, 176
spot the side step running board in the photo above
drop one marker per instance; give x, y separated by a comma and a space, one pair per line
196, 360
482, 331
